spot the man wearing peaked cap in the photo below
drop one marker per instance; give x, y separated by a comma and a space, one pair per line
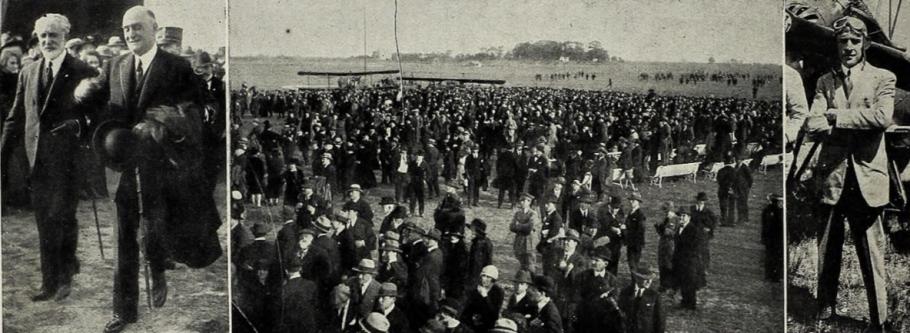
364, 287
524, 225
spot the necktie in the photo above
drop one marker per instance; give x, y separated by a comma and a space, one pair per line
848, 85
139, 74
48, 79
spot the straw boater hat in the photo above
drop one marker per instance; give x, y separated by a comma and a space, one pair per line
115, 41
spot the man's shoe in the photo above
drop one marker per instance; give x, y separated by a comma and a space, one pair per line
159, 289
63, 292
117, 324
43, 295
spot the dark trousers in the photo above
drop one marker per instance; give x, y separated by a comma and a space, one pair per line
689, 296
512, 188
868, 238
615, 252
633, 256
126, 274
473, 190
433, 182
742, 208
416, 196
54, 196
401, 186
727, 209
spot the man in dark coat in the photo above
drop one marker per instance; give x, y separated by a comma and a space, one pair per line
48, 121
298, 302
385, 305
364, 288
726, 192
506, 171
131, 84
481, 254
772, 236
641, 305
424, 287
392, 269
432, 157
484, 302
455, 276
706, 221
566, 264
418, 171
449, 216
475, 172
522, 304
613, 227
687, 266
595, 296
450, 317
547, 319
551, 229
538, 172
258, 275
743, 185
357, 203
635, 232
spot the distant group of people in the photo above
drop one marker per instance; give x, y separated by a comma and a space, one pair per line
551, 154
579, 75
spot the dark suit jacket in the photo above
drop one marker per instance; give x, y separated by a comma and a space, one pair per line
398, 320
480, 256
579, 222
426, 286
548, 320
635, 231
363, 303
298, 304
645, 314
705, 219
480, 313
687, 257
726, 182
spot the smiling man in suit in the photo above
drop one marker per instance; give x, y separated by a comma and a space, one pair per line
48, 120
853, 106
143, 78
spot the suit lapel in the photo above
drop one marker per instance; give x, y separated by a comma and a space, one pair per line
59, 79
153, 78
126, 69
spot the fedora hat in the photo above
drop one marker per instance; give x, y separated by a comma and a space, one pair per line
615, 200
387, 201
573, 235
366, 266
115, 144
523, 276
260, 229
322, 223
374, 323
388, 289
115, 41
635, 196
434, 234
355, 187
702, 196
479, 225
645, 273
603, 253
505, 325
388, 247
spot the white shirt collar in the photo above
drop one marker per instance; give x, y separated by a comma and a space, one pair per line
386, 312
56, 63
146, 59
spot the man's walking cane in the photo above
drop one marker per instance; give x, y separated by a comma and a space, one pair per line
143, 243
98, 227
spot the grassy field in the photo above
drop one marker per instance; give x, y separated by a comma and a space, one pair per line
851, 304
197, 299
737, 298
273, 73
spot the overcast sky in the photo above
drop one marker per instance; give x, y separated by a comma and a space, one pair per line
660, 30
203, 21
